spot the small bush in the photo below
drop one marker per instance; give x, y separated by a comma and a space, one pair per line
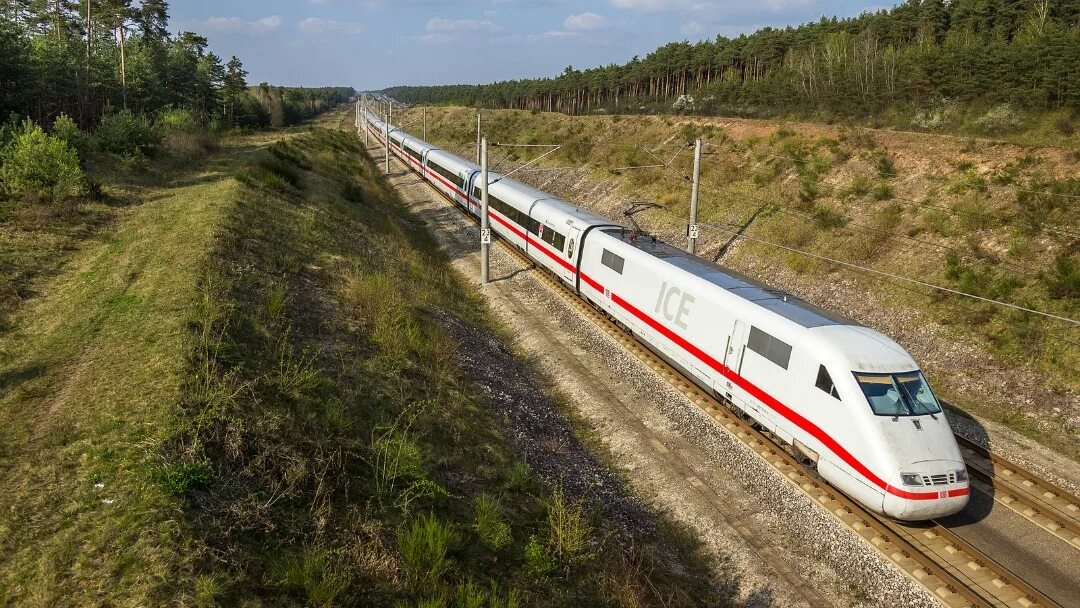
809, 190
135, 163
518, 476
493, 530
886, 167
568, 532
471, 595
938, 116
271, 174
538, 562
177, 120
1065, 126
424, 546
860, 186
883, 192
284, 152
314, 573
38, 166
177, 479
352, 193
65, 128
1005, 118
1064, 283
826, 218
969, 181
127, 133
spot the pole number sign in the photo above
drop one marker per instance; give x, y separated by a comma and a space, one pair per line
485, 236
692, 231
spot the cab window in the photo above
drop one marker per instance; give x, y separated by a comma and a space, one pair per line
906, 394
825, 383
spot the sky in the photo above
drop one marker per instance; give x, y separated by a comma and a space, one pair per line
373, 44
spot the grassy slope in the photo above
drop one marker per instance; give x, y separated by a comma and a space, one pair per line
351, 461
863, 196
89, 368
240, 391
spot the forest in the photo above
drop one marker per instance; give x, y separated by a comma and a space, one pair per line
925, 57
91, 58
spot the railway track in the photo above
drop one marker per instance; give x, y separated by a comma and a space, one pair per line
956, 573
1033, 498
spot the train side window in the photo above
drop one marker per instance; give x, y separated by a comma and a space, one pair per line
825, 383
612, 261
558, 241
777, 351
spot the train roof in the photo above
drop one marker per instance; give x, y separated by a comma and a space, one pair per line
515, 192
787, 305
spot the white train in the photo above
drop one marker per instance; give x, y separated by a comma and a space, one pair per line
847, 397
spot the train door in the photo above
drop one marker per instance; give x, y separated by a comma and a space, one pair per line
736, 346
573, 239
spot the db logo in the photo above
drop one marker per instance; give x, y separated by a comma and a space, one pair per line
942, 494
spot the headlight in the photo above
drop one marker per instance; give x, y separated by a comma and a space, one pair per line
962, 475
911, 479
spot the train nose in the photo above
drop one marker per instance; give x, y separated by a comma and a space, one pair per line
928, 490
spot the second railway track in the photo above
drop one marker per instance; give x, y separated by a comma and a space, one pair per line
1039, 501
956, 573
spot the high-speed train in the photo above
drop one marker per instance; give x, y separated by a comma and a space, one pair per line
848, 398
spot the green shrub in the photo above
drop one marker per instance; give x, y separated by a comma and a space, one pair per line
177, 120
826, 218
886, 167
860, 185
285, 152
969, 181
471, 595
1064, 283
518, 476
136, 162
352, 193
883, 192
127, 133
314, 573
1065, 126
568, 532
538, 562
38, 166
65, 128
424, 546
177, 479
493, 530
809, 190
1005, 118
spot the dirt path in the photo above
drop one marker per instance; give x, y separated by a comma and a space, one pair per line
778, 545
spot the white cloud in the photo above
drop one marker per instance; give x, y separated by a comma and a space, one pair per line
692, 28
650, 5
438, 24
552, 35
585, 22
436, 38
236, 24
317, 25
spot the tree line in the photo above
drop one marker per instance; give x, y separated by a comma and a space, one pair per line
1022, 52
87, 58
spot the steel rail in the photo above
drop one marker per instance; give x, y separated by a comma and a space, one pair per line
993, 587
1038, 500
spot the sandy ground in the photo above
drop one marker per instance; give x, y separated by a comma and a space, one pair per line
776, 545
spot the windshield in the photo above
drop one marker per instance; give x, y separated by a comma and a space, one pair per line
905, 394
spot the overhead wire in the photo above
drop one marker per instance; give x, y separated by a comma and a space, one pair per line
841, 263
